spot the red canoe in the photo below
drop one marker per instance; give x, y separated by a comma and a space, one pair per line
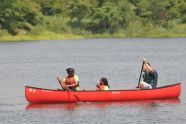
40, 95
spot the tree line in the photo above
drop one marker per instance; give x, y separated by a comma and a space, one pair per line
94, 16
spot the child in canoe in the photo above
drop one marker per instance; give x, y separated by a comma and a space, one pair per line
71, 81
103, 84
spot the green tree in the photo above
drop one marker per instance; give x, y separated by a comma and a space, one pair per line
18, 14
77, 11
105, 18
51, 7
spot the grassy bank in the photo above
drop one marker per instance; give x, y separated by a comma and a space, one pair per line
41, 36
54, 32
57, 36
136, 35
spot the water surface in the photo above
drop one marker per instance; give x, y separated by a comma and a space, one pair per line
37, 63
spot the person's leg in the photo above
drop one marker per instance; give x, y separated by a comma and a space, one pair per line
144, 85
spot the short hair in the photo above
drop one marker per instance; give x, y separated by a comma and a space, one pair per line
70, 70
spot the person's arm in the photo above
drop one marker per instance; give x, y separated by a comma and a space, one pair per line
150, 69
61, 83
72, 85
64, 81
98, 86
76, 80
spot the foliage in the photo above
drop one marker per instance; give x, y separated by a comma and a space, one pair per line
18, 14
50, 7
91, 16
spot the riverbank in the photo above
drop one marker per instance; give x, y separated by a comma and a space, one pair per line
60, 36
41, 36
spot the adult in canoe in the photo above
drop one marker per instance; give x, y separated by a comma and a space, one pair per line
150, 76
103, 84
71, 80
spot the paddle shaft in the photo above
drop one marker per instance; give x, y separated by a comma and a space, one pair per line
63, 84
66, 87
140, 74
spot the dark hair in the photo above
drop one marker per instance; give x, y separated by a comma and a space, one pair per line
70, 70
105, 81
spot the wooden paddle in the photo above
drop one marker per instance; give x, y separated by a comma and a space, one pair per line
140, 74
64, 86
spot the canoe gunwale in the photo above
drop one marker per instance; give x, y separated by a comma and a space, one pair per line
103, 91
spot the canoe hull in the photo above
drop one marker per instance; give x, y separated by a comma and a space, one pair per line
40, 95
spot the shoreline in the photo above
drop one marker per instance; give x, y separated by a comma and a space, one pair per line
62, 36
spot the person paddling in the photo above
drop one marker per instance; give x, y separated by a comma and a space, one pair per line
103, 84
150, 76
71, 80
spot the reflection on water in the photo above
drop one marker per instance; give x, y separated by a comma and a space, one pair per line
74, 106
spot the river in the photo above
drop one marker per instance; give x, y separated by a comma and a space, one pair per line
37, 63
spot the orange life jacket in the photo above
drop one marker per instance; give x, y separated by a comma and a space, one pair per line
100, 87
70, 80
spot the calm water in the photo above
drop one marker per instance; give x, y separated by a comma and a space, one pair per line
37, 63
